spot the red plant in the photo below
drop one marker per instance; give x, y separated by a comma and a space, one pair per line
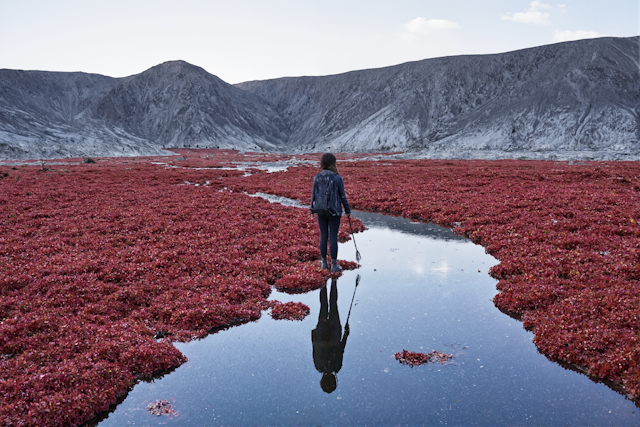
566, 234
289, 310
103, 265
414, 359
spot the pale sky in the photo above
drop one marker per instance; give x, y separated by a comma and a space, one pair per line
241, 40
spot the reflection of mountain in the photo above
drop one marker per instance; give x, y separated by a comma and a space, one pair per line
561, 99
401, 225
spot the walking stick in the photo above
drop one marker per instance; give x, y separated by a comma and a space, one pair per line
354, 295
358, 257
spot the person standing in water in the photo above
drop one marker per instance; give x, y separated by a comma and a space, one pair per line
327, 199
328, 342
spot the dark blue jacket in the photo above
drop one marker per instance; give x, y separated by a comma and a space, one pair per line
339, 192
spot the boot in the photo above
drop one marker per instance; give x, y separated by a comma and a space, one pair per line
335, 268
325, 264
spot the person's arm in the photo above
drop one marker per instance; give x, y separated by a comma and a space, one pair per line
313, 194
343, 196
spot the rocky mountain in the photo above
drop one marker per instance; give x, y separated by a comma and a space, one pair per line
38, 117
175, 104
568, 100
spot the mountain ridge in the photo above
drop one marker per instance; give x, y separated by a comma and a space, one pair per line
575, 99
420, 114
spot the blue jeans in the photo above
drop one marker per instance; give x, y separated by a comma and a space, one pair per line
329, 226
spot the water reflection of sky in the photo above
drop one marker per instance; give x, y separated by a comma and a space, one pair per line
421, 288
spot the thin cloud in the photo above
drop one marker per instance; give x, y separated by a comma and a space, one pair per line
421, 26
534, 15
565, 36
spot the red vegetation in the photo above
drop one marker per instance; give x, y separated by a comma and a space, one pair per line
566, 234
412, 358
289, 310
102, 266
99, 261
347, 265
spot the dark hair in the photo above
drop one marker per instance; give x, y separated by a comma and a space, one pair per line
328, 161
328, 382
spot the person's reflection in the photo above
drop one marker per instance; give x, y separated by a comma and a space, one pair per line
328, 342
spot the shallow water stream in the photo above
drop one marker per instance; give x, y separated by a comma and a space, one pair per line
421, 289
